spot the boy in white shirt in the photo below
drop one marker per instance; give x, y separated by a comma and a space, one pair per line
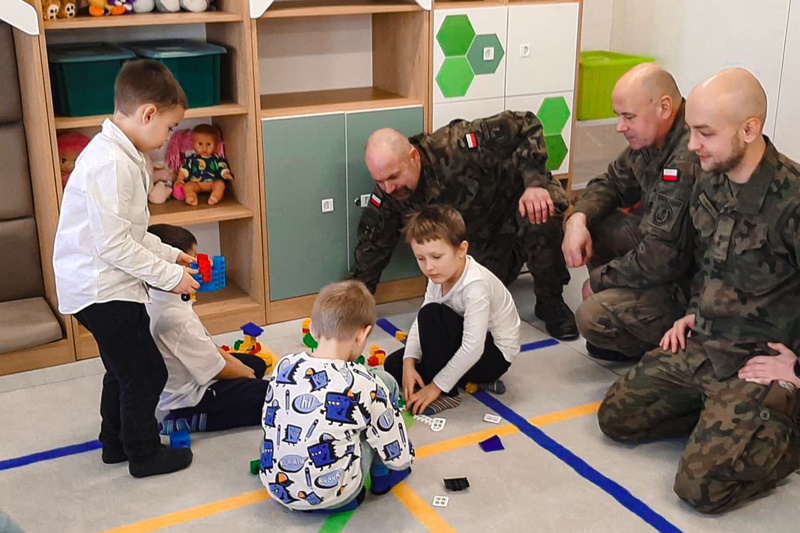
104, 259
328, 422
468, 327
208, 389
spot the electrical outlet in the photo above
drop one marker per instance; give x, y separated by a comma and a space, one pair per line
488, 53
327, 205
524, 50
365, 200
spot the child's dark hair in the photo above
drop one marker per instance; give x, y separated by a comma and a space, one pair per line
180, 238
341, 309
145, 81
436, 222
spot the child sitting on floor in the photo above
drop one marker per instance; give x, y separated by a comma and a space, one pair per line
468, 327
328, 422
207, 389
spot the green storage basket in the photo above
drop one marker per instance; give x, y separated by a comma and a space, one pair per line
598, 72
82, 77
195, 64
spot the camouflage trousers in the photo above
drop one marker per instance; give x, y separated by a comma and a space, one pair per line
537, 244
629, 321
743, 437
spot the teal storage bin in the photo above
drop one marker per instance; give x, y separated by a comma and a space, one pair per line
195, 64
82, 77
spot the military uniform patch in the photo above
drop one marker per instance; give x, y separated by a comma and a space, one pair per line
375, 200
666, 211
471, 140
669, 174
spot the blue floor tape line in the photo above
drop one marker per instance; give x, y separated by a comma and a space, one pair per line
611, 487
47, 455
387, 326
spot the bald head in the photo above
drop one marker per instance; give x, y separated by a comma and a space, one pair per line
385, 144
735, 93
650, 81
393, 162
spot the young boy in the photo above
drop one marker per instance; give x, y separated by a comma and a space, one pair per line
208, 389
104, 259
468, 327
328, 421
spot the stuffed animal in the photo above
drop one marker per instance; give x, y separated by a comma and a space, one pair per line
144, 6
98, 8
168, 6
162, 177
50, 9
68, 9
204, 170
195, 6
70, 145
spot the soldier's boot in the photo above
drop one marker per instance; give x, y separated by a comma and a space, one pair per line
559, 321
604, 354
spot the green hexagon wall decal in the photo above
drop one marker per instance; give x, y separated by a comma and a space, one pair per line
553, 113
485, 54
455, 76
556, 151
455, 35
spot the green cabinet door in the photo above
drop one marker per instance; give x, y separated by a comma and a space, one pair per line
360, 126
304, 164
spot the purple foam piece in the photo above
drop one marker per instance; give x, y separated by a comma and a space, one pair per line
492, 444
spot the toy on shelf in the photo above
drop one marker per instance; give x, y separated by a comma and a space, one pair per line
98, 8
70, 145
58, 9
198, 159
161, 175
173, 6
250, 345
212, 273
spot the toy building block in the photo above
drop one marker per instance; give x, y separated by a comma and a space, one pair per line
180, 439
440, 501
270, 358
252, 330
377, 358
361, 360
492, 444
255, 466
401, 336
309, 342
456, 483
471, 388
374, 348
306, 326
197, 277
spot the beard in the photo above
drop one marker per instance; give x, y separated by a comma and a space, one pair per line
738, 150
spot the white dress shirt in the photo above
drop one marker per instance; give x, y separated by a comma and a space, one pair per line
102, 249
192, 358
486, 306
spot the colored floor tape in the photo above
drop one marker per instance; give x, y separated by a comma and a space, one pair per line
581, 467
47, 455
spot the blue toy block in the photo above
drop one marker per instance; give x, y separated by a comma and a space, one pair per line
492, 444
252, 330
180, 439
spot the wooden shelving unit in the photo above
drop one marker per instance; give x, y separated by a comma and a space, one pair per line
142, 19
222, 110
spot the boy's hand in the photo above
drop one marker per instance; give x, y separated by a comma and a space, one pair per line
185, 259
423, 398
411, 378
187, 284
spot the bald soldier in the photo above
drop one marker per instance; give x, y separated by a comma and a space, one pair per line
629, 301
732, 384
493, 172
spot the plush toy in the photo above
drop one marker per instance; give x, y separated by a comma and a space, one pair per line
168, 6
144, 6
69, 146
68, 9
195, 6
204, 170
98, 8
162, 177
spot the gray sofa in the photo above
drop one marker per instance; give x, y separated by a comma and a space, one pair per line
26, 319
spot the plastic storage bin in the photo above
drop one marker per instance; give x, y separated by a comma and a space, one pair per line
83, 77
195, 64
598, 72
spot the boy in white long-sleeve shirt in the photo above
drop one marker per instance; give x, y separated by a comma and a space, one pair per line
104, 259
468, 327
328, 422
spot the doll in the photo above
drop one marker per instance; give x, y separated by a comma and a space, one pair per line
69, 146
162, 177
204, 170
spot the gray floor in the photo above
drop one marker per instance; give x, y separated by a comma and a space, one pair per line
523, 488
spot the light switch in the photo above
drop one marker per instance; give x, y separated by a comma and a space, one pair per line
524, 50
365, 200
327, 205
488, 53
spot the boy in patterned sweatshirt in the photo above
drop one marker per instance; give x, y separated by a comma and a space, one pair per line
329, 421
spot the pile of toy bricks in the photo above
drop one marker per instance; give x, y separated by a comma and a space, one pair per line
212, 273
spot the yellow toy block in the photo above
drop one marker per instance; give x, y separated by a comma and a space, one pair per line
374, 348
306, 326
401, 336
471, 388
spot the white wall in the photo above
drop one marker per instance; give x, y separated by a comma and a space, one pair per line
597, 21
695, 38
788, 112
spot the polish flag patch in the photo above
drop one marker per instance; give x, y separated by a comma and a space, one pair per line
471, 139
669, 174
375, 200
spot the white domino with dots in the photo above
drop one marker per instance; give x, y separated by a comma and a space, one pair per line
492, 419
440, 501
436, 424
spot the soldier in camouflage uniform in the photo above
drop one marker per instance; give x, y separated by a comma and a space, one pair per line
629, 302
493, 172
744, 434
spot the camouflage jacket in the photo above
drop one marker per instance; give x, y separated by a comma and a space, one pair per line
662, 180
481, 168
748, 251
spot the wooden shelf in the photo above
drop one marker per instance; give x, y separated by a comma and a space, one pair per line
466, 4
141, 19
322, 8
222, 110
286, 104
181, 214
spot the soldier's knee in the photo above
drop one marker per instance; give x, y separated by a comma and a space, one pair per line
696, 491
612, 421
589, 317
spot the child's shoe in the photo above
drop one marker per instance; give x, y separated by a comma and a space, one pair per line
164, 461
170, 424
497, 386
383, 479
441, 403
113, 455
